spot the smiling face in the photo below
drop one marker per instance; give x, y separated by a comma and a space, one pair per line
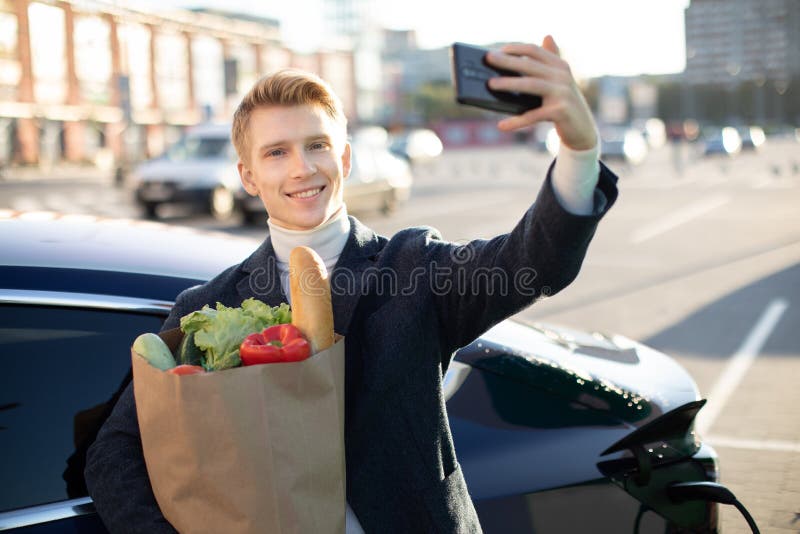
298, 160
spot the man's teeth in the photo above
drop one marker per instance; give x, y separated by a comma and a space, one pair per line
306, 194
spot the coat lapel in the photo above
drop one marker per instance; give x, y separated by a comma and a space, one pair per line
347, 279
262, 280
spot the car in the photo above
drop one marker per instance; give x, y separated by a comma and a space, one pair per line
725, 141
653, 129
753, 137
627, 145
546, 139
379, 180
556, 429
199, 170
624, 144
416, 145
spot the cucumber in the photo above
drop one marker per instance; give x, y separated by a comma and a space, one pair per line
153, 349
188, 352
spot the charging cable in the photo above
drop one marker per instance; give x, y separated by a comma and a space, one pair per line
708, 491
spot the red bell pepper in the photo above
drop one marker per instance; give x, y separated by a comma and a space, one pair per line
279, 343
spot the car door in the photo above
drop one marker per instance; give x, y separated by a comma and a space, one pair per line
65, 360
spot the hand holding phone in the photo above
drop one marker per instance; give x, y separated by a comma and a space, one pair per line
519, 72
471, 74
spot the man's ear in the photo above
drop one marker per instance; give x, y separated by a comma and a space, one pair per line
346, 160
246, 176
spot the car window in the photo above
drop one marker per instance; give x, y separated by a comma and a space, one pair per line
62, 370
194, 147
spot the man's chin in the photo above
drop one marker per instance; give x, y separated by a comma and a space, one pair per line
308, 219
300, 224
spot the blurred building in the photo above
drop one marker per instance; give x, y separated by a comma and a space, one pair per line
406, 69
742, 61
85, 80
347, 17
352, 25
733, 41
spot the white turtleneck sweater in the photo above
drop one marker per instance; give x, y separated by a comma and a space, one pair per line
575, 176
327, 240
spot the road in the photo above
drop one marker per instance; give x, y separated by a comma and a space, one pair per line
700, 260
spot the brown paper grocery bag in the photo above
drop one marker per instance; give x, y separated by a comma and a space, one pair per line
250, 449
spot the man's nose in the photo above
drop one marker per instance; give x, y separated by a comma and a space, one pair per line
302, 166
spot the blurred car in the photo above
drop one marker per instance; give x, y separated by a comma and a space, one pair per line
627, 145
623, 144
417, 145
556, 430
753, 137
379, 180
370, 135
540, 136
653, 129
199, 170
723, 141
552, 141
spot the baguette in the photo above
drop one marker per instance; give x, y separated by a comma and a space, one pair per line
312, 311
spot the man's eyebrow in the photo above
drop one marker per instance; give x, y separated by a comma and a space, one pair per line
314, 137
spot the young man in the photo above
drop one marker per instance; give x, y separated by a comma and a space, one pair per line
402, 471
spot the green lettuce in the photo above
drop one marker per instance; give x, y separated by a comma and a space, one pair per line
219, 332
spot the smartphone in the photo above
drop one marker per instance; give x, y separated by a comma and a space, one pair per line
471, 75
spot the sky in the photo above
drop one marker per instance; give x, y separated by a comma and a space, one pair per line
597, 37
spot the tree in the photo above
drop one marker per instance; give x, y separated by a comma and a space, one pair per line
436, 100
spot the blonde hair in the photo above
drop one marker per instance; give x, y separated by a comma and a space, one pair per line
286, 87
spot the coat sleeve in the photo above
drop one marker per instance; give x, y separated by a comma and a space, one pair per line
486, 281
115, 473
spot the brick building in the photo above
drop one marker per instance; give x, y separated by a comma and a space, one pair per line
91, 81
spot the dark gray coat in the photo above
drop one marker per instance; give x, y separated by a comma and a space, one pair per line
405, 304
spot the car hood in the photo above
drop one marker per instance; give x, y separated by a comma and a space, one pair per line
94, 243
627, 380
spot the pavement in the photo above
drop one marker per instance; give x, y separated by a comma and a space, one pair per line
64, 172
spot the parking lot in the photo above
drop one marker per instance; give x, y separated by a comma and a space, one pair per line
702, 264
700, 258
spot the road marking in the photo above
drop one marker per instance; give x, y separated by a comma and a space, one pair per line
678, 218
739, 364
753, 444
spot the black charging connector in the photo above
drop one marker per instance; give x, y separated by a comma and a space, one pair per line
709, 491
